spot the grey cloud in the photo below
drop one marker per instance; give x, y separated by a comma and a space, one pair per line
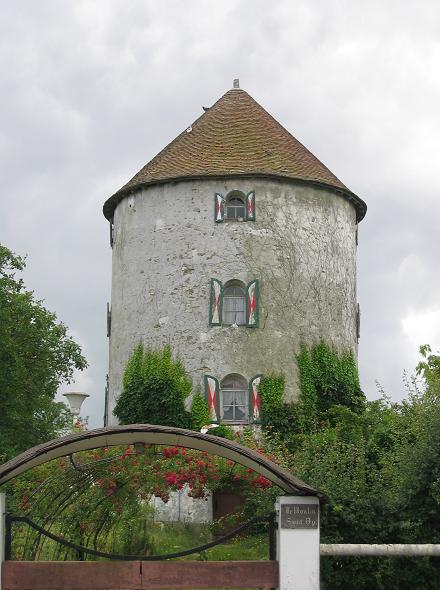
92, 90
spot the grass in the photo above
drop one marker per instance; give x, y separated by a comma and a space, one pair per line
157, 539
178, 537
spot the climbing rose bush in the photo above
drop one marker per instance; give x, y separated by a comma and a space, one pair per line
102, 498
122, 475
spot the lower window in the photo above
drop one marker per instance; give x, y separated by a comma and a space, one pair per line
234, 399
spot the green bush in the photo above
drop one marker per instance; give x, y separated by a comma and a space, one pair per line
222, 431
277, 417
327, 379
199, 411
155, 387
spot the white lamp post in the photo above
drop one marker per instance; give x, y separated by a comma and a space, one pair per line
75, 399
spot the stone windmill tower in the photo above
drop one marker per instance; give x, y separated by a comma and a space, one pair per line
234, 244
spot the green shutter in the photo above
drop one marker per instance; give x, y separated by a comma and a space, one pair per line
212, 393
254, 400
252, 304
109, 320
219, 208
250, 206
215, 303
112, 230
106, 391
358, 322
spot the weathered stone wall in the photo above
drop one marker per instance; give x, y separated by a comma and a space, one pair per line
182, 508
167, 248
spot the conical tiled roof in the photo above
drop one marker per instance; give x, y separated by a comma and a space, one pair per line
235, 137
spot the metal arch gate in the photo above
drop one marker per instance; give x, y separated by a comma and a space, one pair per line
137, 573
131, 572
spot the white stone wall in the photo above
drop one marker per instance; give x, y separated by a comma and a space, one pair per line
182, 508
167, 248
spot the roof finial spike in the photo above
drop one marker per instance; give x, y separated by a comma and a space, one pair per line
236, 83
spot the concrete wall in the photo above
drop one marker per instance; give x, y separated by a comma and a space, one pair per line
182, 508
167, 248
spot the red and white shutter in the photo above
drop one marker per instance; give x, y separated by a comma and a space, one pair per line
219, 207
252, 304
250, 206
255, 398
216, 303
212, 397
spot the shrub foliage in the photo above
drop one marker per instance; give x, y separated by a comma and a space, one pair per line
199, 411
377, 462
155, 387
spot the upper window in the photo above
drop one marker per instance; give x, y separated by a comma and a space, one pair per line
237, 206
235, 399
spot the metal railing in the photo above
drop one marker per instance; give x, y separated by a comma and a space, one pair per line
374, 550
82, 551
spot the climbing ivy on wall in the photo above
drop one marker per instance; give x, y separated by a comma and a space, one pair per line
326, 380
155, 389
276, 415
155, 386
271, 390
199, 411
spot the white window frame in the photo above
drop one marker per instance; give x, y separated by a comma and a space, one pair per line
244, 389
236, 298
235, 195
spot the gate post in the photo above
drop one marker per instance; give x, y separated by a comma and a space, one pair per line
298, 542
2, 533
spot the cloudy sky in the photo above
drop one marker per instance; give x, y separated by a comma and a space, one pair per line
92, 90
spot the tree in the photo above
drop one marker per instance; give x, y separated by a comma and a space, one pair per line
155, 387
378, 462
414, 463
36, 356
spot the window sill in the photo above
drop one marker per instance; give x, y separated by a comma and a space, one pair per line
234, 423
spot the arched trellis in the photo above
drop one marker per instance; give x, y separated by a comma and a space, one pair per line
157, 435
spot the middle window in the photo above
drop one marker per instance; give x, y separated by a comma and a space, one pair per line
234, 303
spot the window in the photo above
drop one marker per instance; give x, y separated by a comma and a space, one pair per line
235, 207
234, 304
234, 399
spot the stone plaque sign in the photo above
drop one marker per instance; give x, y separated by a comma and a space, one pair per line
299, 516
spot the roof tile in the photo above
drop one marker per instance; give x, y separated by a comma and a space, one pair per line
236, 136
